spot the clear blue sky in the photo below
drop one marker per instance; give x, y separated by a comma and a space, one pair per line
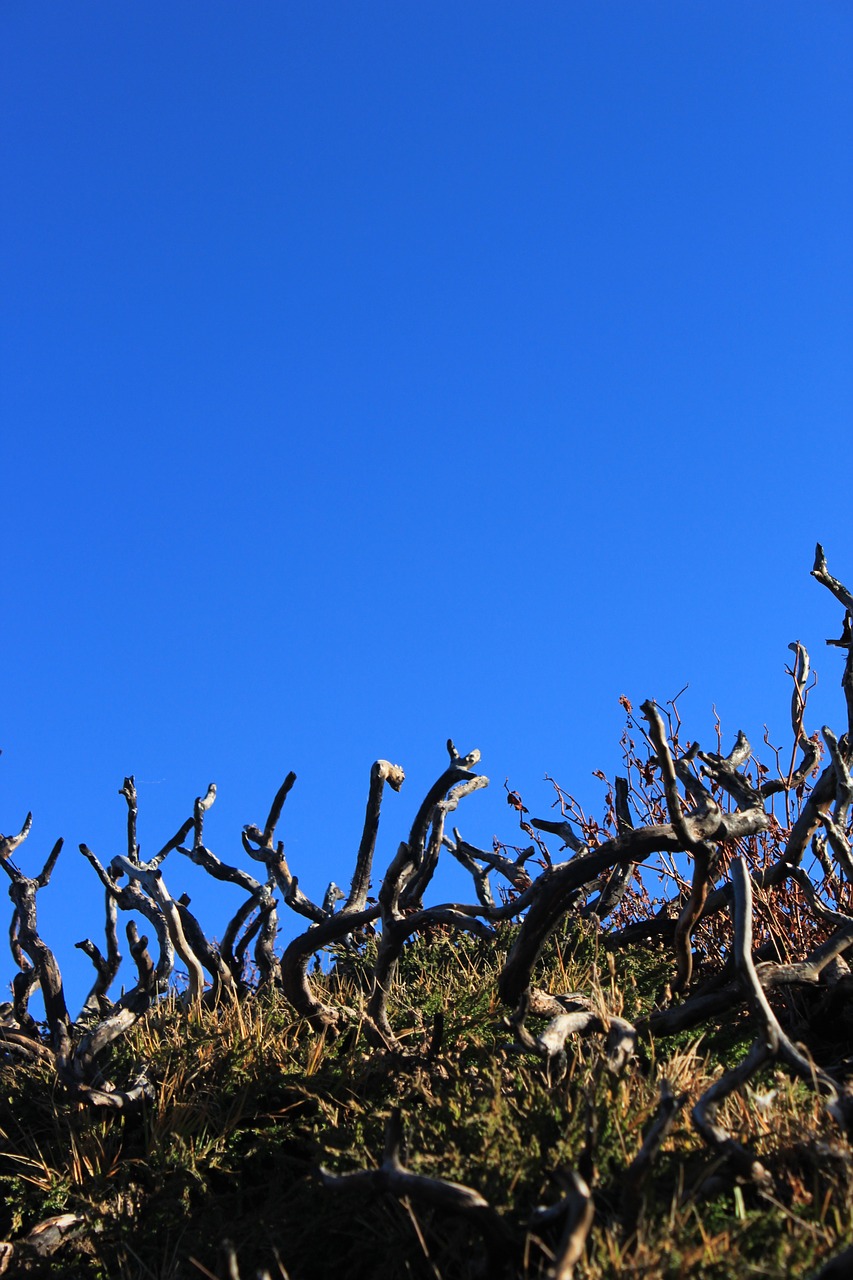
374, 373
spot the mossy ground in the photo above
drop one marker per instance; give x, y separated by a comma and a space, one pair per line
250, 1103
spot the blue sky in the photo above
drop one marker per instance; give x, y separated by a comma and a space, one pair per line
376, 373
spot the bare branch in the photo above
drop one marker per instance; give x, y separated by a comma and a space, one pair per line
128, 790
131, 898
206, 953
704, 863
826, 579
840, 846
774, 1037
841, 594
550, 1043
275, 810
800, 676
415, 888
811, 817
200, 808
395, 932
843, 780
556, 891
43, 878
107, 966
203, 857
8, 844
448, 1197
636, 1175
564, 830
657, 733
23, 892
139, 952
579, 1219
479, 875
176, 840
294, 966
381, 772
27, 1256
262, 901
459, 770
511, 869
704, 1114
151, 879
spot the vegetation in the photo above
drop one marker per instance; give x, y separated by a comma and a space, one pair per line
563, 1077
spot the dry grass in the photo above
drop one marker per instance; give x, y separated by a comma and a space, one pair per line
249, 1103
